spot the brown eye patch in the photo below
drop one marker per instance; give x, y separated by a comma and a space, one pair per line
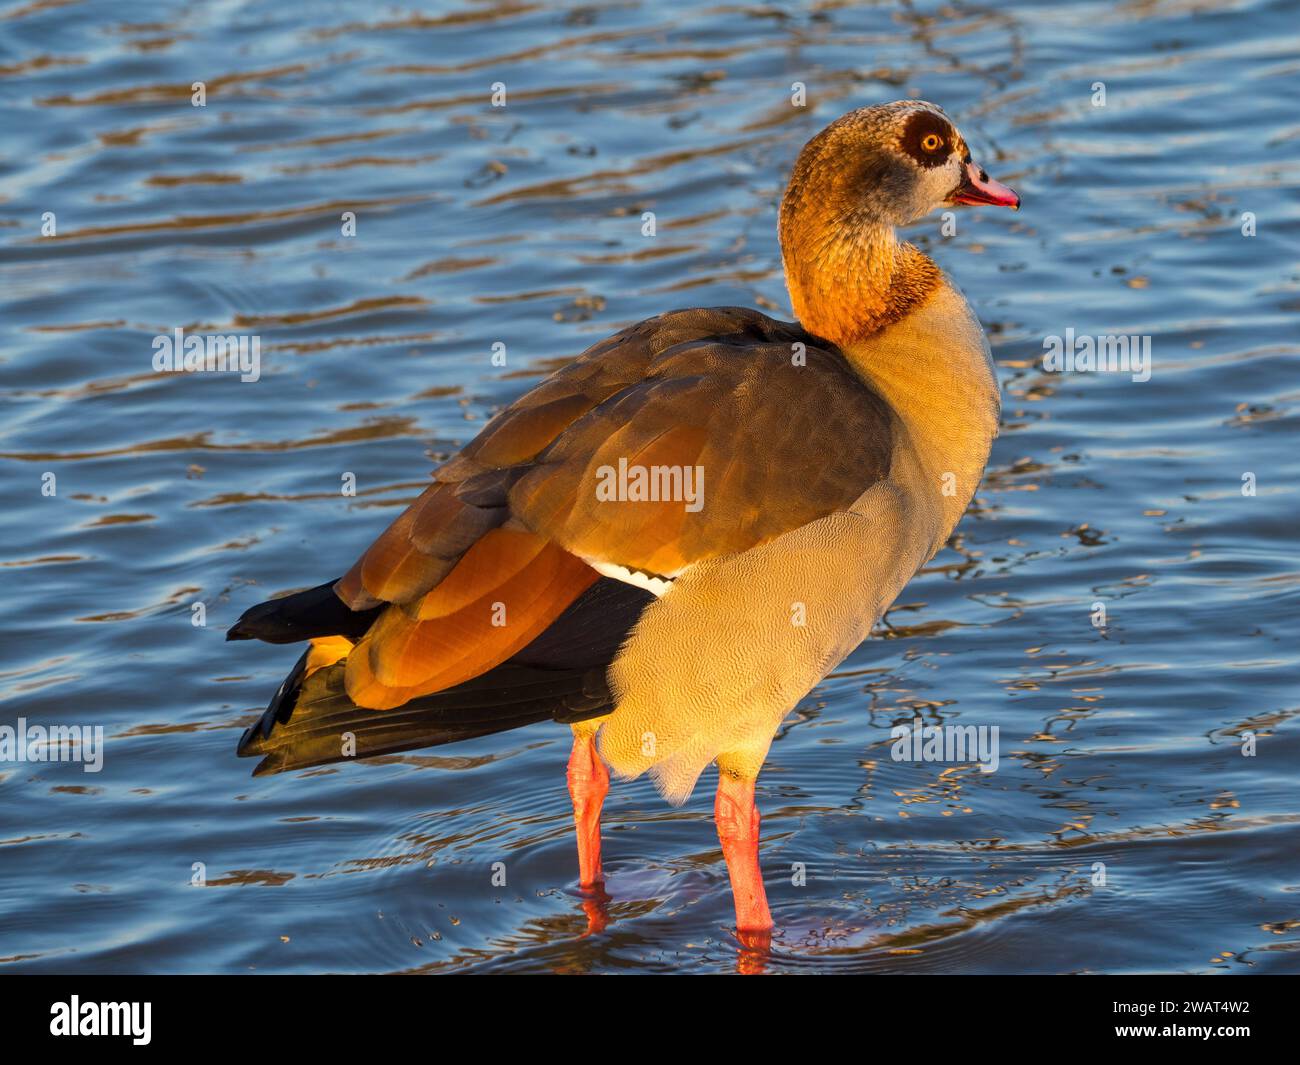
928, 138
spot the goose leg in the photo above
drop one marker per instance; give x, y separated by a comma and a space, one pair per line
737, 819
588, 785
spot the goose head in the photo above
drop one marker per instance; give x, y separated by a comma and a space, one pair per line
892, 164
863, 175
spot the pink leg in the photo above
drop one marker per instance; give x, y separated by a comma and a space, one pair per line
588, 785
737, 819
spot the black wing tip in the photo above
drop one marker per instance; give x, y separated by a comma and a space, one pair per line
253, 744
264, 622
247, 627
268, 766
303, 616
253, 741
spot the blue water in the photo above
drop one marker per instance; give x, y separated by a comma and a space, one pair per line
1121, 746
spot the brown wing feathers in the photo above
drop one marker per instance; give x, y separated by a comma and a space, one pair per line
419, 549
490, 555
776, 443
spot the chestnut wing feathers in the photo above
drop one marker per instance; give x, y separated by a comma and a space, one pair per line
774, 422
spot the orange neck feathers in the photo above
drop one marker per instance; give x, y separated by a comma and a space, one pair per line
847, 274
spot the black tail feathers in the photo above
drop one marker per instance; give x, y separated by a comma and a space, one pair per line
311, 721
560, 676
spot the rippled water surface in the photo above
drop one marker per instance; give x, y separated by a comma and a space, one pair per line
1120, 744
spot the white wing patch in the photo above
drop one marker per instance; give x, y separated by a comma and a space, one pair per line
655, 585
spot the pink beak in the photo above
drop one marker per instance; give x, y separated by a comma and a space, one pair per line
980, 188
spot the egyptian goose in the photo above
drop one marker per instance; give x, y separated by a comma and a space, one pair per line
667, 543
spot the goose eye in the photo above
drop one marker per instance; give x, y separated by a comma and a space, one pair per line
931, 142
